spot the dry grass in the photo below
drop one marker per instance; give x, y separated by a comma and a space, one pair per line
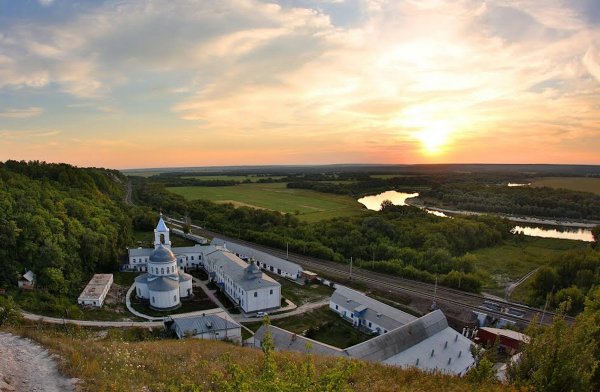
124, 360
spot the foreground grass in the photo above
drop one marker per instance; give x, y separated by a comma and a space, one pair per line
322, 325
582, 184
137, 360
515, 258
310, 205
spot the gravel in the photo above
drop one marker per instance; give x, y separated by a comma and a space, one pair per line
26, 366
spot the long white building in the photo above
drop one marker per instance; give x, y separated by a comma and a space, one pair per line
267, 262
367, 313
244, 283
96, 290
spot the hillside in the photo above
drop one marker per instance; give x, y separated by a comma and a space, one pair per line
133, 360
63, 223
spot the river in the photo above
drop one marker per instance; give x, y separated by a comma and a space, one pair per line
373, 202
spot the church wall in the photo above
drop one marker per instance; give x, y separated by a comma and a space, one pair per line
164, 299
141, 290
263, 300
184, 287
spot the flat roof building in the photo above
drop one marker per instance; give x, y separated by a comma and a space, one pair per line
210, 325
96, 290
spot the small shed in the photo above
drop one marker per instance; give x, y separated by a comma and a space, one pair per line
510, 341
27, 281
309, 275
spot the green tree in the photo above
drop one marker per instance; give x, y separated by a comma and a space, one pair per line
596, 235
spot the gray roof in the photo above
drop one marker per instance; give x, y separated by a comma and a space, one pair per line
143, 278
400, 347
263, 257
386, 316
29, 276
201, 324
286, 340
236, 269
400, 339
163, 283
162, 255
137, 252
183, 277
188, 249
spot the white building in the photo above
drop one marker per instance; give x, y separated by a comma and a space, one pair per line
213, 326
96, 290
270, 263
427, 343
245, 284
164, 285
27, 280
188, 257
367, 313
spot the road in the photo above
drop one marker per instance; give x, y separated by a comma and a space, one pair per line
92, 323
443, 296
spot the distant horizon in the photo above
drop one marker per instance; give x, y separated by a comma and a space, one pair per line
140, 84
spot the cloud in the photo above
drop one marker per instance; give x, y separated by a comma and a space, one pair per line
28, 112
324, 77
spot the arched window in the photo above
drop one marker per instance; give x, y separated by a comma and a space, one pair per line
153, 300
162, 271
175, 298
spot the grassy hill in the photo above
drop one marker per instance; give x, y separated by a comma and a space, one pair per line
136, 360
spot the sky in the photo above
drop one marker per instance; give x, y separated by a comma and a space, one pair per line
133, 84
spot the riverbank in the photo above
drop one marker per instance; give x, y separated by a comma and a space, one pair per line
414, 201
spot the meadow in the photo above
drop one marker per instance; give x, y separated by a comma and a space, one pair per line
515, 258
582, 184
233, 178
308, 205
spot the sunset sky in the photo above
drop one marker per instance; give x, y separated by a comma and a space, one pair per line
130, 84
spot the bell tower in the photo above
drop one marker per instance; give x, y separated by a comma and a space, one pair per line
161, 234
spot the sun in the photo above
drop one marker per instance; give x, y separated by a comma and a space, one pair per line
434, 138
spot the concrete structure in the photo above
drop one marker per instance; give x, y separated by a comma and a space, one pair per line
427, 343
367, 313
188, 257
245, 284
214, 326
27, 281
95, 292
267, 262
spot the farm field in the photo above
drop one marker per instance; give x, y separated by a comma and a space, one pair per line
327, 327
582, 184
512, 260
233, 178
309, 205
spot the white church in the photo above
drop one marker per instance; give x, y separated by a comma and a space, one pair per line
164, 284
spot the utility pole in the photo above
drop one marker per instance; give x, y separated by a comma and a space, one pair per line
350, 267
433, 304
287, 250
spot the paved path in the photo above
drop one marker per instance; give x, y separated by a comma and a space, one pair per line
132, 310
26, 366
513, 286
92, 323
299, 310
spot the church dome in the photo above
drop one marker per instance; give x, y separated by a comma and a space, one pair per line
252, 271
162, 255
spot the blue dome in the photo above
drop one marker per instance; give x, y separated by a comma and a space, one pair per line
162, 255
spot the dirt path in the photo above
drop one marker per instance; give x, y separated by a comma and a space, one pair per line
26, 366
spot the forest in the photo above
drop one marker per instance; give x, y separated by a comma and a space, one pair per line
540, 202
63, 223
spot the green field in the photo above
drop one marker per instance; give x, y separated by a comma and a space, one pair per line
233, 178
582, 184
514, 259
327, 327
309, 205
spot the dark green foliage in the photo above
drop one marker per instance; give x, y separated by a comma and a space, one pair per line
62, 222
569, 277
530, 201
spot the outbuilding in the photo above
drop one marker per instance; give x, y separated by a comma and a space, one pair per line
213, 326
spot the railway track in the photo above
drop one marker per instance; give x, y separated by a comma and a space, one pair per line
396, 285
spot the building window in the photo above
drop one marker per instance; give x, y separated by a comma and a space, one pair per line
255, 294
139, 292
134, 260
271, 291
192, 257
175, 298
153, 300
162, 271
336, 307
369, 324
